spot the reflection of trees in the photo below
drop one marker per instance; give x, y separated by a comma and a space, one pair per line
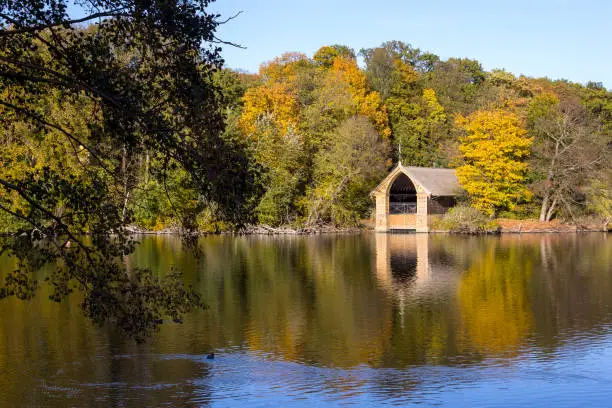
548, 288
494, 299
313, 299
573, 286
332, 300
300, 298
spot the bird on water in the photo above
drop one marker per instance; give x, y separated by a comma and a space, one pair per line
210, 356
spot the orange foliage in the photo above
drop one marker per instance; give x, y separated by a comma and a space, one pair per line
369, 104
273, 104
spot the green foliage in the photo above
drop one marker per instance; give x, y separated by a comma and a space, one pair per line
420, 128
233, 85
599, 194
422, 61
345, 172
282, 179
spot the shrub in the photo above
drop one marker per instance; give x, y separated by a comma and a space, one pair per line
466, 219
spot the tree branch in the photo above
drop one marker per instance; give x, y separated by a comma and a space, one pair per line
109, 13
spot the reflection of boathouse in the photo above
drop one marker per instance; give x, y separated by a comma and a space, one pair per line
409, 198
409, 265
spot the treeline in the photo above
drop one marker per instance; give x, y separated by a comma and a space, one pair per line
323, 131
309, 137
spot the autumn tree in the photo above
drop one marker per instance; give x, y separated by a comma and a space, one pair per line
270, 125
293, 118
368, 103
494, 147
421, 61
326, 55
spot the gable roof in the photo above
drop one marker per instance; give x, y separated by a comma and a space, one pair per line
435, 181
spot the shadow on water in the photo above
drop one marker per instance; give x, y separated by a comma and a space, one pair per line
361, 318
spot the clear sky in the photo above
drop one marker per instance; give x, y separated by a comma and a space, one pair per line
556, 39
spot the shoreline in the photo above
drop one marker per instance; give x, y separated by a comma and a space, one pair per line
509, 226
521, 228
253, 230
506, 226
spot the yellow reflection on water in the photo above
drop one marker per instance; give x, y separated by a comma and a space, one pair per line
493, 299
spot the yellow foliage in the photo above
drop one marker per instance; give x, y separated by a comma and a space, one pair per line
494, 149
325, 56
283, 68
435, 110
408, 74
371, 106
271, 104
351, 74
26, 148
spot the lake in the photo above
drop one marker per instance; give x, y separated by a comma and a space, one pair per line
359, 319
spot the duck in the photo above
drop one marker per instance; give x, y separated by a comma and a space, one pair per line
210, 356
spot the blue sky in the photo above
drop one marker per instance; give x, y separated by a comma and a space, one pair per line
557, 39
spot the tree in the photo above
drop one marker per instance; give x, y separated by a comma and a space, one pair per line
273, 103
369, 103
379, 70
293, 117
457, 83
494, 149
599, 196
420, 127
270, 125
422, 61
326, 55
345, 172
146, 70
569, 149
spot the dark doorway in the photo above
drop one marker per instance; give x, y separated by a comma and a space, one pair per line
402, 197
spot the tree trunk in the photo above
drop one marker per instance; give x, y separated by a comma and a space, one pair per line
551, 210
544, 208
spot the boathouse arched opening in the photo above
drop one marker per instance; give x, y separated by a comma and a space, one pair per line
402, 196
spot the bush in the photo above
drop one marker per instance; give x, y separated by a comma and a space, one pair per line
466, 219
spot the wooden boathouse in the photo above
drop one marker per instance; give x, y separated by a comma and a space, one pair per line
410, 198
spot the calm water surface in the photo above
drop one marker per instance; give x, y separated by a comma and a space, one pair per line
369, 319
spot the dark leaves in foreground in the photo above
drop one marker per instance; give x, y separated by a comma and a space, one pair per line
135, 301
141, 79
